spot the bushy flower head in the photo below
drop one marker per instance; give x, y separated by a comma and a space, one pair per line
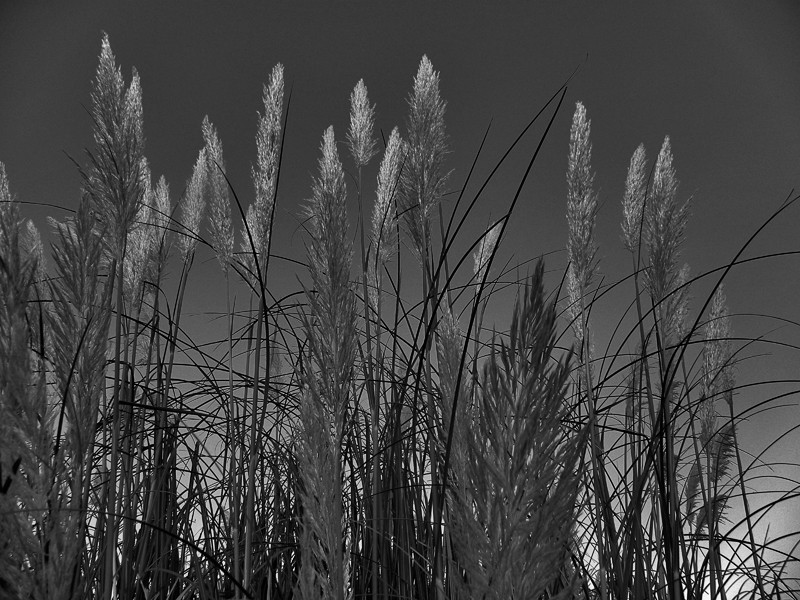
423, 177
114, 180
485, 250
665, 222
581, 201
220, 223
194, 205
362, 121
633, 201
265, 171
384, 215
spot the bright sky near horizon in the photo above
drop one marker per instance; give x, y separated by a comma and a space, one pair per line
721, 78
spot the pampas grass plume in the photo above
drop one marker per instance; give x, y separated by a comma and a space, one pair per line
633, 200
423, 176
581, 201
384, 214
193, 207
220, 224
665, 221
114, 182
362, 120
484, 253
265, 171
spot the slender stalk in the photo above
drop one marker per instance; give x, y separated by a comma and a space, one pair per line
232, 441
595, 451
111, 527
251, 468
747, 512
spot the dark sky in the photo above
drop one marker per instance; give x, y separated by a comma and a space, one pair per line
721, 78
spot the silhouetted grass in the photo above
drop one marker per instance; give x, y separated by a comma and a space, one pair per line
350, 440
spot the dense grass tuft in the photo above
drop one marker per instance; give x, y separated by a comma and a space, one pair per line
351, 440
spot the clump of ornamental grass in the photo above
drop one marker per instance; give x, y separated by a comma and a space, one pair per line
707, 492
256, 250
53, 365
347, 440
78, 328
24, 419
681, 463
114, 186
513, 511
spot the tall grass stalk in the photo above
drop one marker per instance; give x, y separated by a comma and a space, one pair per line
330, 328
114, 187
259, 235
581, 252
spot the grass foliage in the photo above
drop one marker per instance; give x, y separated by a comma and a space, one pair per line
351, 440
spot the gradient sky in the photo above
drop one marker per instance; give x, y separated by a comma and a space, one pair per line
721, 78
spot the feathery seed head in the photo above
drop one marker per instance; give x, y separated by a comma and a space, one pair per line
333, 317
142, 257
268, 134
484, 252
162, 208
114, 181
162, 203
17, 275
665, 222
194, 205
330, 250
32, 244
107, 93
265, 172
133, 115
426, 82
450, 342
581, 201
327, 209
252, 229
383, 215
665, 183
717, 368
5, 193
449, 346
213, 145
681, 310
330, 167
273, 97
716, 350
162, 220
423, 178
633, 201
221, 225
574, 296
137, 258
362, 120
